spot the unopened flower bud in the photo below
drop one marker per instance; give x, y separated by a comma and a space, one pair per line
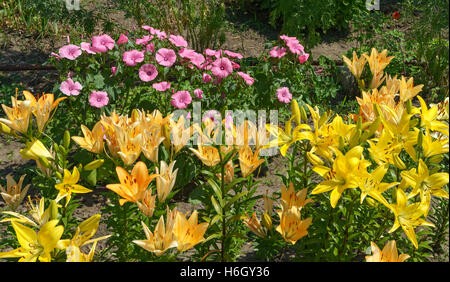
94, 164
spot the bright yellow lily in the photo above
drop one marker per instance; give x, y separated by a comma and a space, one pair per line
409, 216
69, 185
421, 181
34, 150
343, 175
372, 185
428, 118
35, 246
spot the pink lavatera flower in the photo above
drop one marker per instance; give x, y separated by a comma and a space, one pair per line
98, 99
86, 47
181, 99
233, 54
102, 43
113, 71
144, 40
148, 72
131, 58
161, 86
222, 68
178, 41
166, 57
247, 78
198, 93
70, 88
277, 52
303, 58
150, 48
70, 51
284, 95
122, 39
206, 78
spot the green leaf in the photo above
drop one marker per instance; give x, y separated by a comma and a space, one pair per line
216, 205
235, 198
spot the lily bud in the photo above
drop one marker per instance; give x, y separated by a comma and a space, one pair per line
376, 109
303, 114
94, 164
53, 208
44, 162
266, 221
409, 106
5, 129
314, 159
398, 162
66, 141
354, 139
372, 202
296, 112
59, 175
436, 159
420, 139
341, 143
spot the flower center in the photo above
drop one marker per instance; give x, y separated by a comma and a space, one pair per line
99, 100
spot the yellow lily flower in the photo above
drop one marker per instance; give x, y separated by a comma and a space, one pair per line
160, 241
343, 174
42, 107
229, 172
74, 254
209, 155
408, 216
132, 187
69, 185
152, 140
18, 116
35, 246
39, 214
14, 194
388, 254
378, 61
130, 144
432, 148
248, 160
148, 204
166, 180
428, 118
92, 140
421, 181
34, 150
255, 225
291, 227
292, 199
188, 232
83, 234
179, 135
285, 138
371, 185
408, 90
356, 66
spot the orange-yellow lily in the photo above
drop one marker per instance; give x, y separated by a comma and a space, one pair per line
388, 254
92, 140
42, 107
188, 232
69, 185
132, 187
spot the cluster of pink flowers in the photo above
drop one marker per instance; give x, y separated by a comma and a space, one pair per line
294, 47
220, 63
